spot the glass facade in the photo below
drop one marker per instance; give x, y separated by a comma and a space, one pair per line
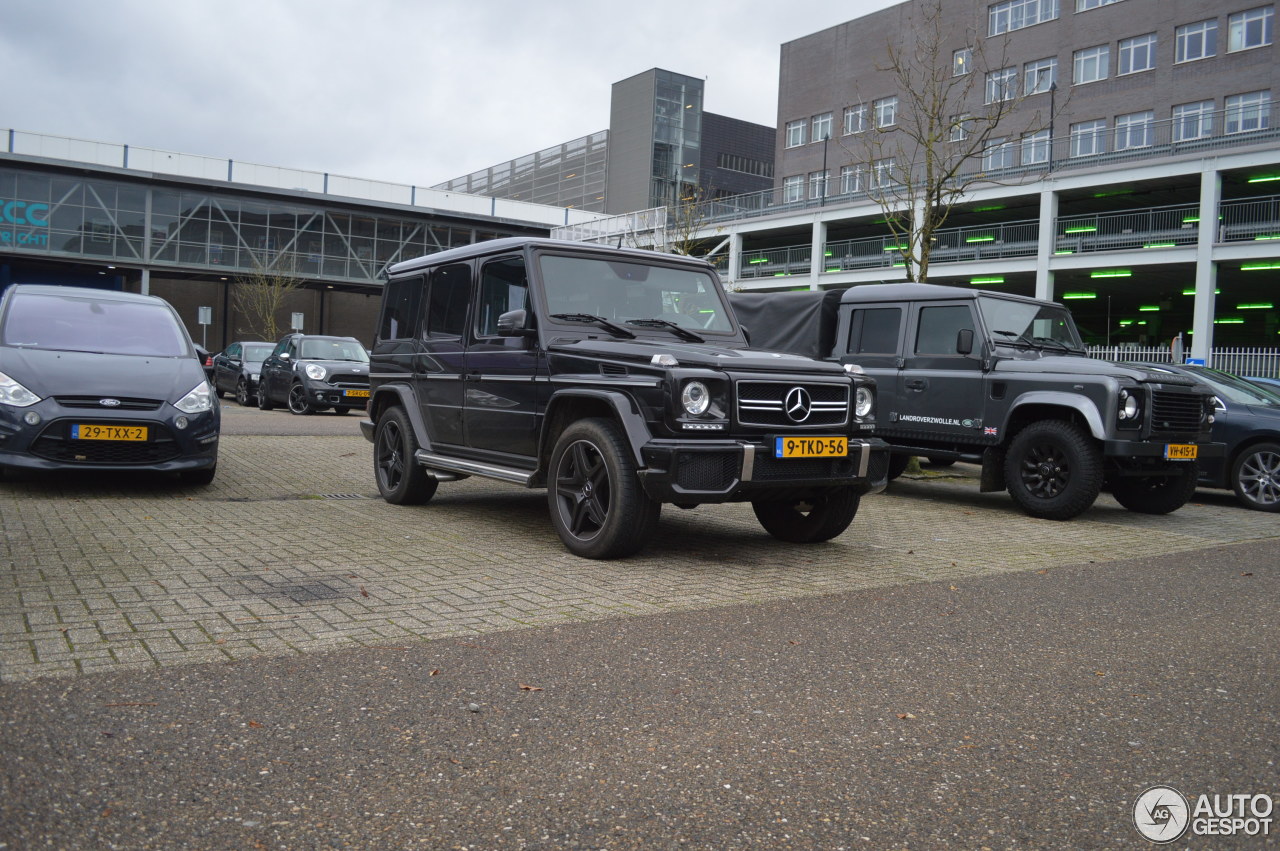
677, 138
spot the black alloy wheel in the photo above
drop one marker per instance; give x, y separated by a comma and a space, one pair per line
809, 520
298, 403
1157, 494
401, 479
1053, 470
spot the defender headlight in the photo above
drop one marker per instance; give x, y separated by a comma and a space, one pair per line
695, 398
1129, 406
198, 400
13, 393
863, 402
316, 372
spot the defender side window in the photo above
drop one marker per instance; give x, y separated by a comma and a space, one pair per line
400, 305
447, 301
938, 327
504, 286
875, 331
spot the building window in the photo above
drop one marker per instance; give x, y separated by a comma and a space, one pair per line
851, 179
793, 188
1248, 112
961, 62
1249, 29
1035, 147
959, 128
1016, 14
818, 184
1086, 5
855, 118
821, 127
886, 110
1137, 54
883, 171
1002, 85
997, 155
1091, 64
1193, 121
1089, 138
1195, 41
1135, 130
795, 133
1040, 75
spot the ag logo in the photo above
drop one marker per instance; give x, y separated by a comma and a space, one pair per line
1160, 814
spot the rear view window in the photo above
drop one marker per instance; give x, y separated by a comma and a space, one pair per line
82, 323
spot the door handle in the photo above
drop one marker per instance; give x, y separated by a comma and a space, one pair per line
917, 384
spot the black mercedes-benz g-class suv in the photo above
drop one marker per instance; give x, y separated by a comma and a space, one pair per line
619, 380
1004, 381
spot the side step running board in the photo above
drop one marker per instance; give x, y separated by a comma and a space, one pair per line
471, 468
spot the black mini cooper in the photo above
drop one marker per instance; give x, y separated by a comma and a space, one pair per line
311, 372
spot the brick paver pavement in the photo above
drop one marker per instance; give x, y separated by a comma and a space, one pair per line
291, 550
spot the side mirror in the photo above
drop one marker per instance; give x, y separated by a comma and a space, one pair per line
514, 323
284, 356
964, 341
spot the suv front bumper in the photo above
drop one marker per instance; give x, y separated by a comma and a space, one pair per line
1158, 448
735, 470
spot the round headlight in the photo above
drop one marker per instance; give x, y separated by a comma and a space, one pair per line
695, 398
863, 402
315, 372
1128, 405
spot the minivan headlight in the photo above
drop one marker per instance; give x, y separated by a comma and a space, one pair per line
199, 399
13, 393
315, 372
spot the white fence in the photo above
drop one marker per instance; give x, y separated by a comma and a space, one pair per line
1241, 361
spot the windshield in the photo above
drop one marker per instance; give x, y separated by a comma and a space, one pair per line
1046, 325
84, 323
257, 351
623, 292
1232, 388
314, 348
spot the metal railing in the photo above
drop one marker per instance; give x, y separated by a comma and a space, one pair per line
1153, 227
1255, 220
1261, 362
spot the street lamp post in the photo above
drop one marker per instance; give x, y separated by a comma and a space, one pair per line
826, 182
1053, 91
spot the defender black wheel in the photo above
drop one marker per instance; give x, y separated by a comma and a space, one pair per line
401, 479
1053, 470
243, 397
264, 402
898, 465
808, 521
1157, 494
597, 505
298, 403
198, 477
1255, 477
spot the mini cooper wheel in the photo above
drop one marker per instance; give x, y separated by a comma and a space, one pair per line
816, 518
1157, 494
1053, 470
243, 397
1255, 477
401, 479
598, 507
298, 403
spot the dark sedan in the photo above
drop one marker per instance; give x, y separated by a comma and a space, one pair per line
1247, 420
236, 370
98, 380
312, 372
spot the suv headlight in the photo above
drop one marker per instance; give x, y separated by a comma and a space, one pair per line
696, 398
13, 393
315, 372
1130, 407
198, 400
863, 402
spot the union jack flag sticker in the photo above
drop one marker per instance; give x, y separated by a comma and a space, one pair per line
990, 431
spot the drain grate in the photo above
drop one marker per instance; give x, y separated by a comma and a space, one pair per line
345, 496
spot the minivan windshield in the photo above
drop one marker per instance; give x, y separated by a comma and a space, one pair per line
630, 294
83, 323
1019, 323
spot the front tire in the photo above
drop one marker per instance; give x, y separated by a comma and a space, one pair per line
243, 397
298, 403
401, 479
1053, 470
1156, 494
811, 520
598, 507
1255, 477
264, 401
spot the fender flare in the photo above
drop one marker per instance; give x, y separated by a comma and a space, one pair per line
624, 409
1080, 404
404, 397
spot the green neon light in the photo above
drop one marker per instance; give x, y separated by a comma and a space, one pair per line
1262, 305
1193, 292
1190, 220
1124, 323
782, 274
1113, 193
990, 279
1233, 320
980, 239
990, 209
1082, 229
1264, 178
896, 247
1259, 267
1111, 273
1161, 245
759, 260
826, 254
1149, 308
1267, 236
1065, 251
1079, 295
834, 269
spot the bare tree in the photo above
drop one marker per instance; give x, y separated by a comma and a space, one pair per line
687, 219
260, 296
920, 166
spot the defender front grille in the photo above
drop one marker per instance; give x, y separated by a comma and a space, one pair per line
1175, 413
790, 404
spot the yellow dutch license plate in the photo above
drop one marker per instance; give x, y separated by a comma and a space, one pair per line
810, 447
84, 431
363, 394
1180, 451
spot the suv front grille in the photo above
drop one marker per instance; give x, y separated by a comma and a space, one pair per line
766, 403
1175, 413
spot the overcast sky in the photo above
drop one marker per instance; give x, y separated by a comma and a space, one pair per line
411, 91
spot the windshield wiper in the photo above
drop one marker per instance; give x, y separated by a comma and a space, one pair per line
616, 330
1057, 343
680, 331
1018, 338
